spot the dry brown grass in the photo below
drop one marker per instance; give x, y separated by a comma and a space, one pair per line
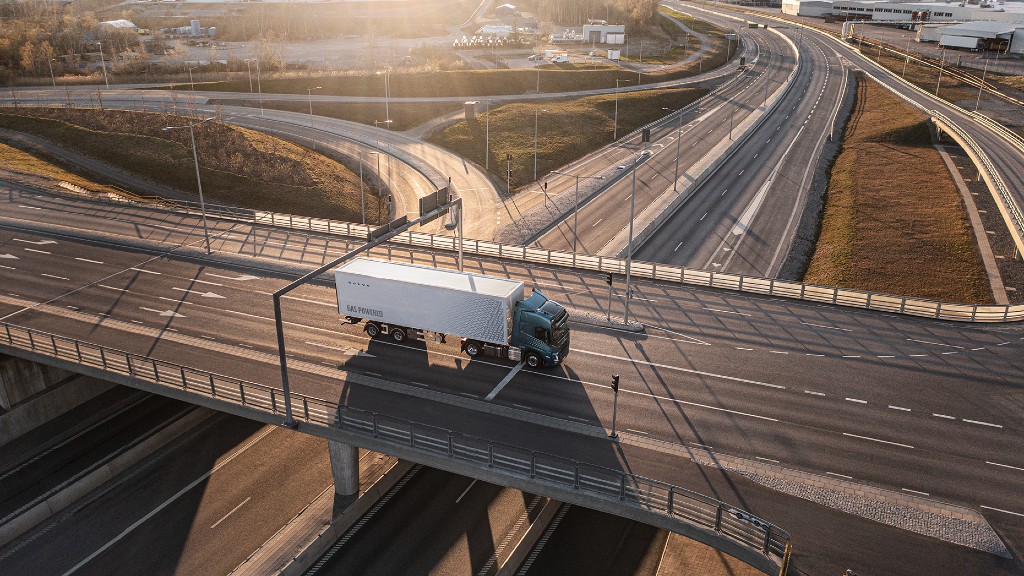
238, 166
894, 221
22, 162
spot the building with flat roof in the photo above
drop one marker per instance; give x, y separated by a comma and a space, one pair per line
884, 11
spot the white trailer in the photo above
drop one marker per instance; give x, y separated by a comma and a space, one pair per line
950, 41
490, 314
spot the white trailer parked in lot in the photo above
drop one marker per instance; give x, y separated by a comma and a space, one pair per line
490, 314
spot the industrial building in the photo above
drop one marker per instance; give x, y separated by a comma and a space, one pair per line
880, 10
975, 36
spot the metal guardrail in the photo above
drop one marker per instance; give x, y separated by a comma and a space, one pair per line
594, 481
789, 289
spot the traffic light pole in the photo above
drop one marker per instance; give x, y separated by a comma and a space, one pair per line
615, 406
609, 281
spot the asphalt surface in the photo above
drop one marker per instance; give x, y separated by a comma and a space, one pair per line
743, 220
907, 403
589, 542
436, 523
201, 505
602, 219
32, 480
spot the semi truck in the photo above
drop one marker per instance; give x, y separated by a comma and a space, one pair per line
490, 315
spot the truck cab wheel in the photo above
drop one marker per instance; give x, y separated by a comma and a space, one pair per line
372, 329
473, 348
398, 334
532, 359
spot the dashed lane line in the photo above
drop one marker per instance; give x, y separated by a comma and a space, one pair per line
877, 440
1005, 466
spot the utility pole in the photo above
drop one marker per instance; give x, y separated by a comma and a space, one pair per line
615, 122
942, 61
981, 84
103, 65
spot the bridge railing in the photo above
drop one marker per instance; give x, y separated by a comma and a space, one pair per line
648, 270
594, 481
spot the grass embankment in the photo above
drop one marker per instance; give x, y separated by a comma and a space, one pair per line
22, 162
403, 115
567, 130
894, 221
238, 166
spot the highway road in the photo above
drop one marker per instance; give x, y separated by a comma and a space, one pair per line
201, 505
433, 522
717, 119
908, 403
744, 220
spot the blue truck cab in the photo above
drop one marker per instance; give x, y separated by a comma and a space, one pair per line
540, 329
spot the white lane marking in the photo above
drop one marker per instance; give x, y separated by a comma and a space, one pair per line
233, 510
201, 294
766, 459
982, 423
817, 355
704, 216
596, 223
877, 440
857, 401
851, 356
112, 288
9, 256
743, 223
934, 343
702, 446
677, 247
89, 261
638, 431
840, 475
461, 496
36, 242
915, 492
37, 251
813, 393
944, 353
918, 355
242, 278
829, 327
167, 502
944, 416
508, 378
198, 281
1001, 510
747, 349
145, 271
689, 339
724, 191
57, 277
726, 311
1005, 465
31, 207
884, 356
899, 408
687, 370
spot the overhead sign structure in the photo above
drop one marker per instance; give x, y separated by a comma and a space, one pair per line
386, 228
430, 202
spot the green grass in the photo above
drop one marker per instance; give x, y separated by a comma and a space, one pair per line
568, 130
238, 166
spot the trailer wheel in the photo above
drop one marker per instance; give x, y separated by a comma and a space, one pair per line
532, 359
372, 329
473, 348
398, 334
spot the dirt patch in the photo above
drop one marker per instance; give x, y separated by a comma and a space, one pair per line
894, 221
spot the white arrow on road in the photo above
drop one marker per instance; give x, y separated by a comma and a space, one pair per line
170, 313
8, 256
241, 278
345, 351
203, 294
36, 242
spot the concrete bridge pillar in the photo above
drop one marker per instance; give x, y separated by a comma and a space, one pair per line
21, 379
345, 466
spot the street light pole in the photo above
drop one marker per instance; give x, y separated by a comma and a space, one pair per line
259, 85
52, 79
103, 65
248, 68
309, 94
981, 84
629, 246
576, 209
615, 123
487, 137
536, 116
199, 182
942, 60
907, 61
679, 136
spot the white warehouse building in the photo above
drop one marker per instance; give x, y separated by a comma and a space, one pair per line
881, 10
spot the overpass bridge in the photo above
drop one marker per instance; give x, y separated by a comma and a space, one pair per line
728, 364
